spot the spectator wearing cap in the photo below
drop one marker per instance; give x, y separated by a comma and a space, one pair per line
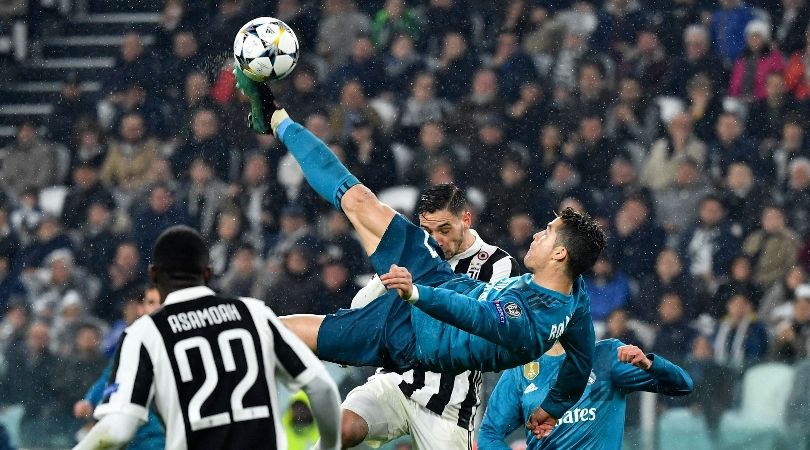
30, 161
352, 108
744, 194
773, 248
608, 288
636, 239
740, 281
296, 290
184, 58
370, 158
740, 339
710, 244
443, 17
86, 190
669, 276
676, 205
365, 65
205, 142
758, 59
728, 25
595, 152
792, 341
666, 155
698, 58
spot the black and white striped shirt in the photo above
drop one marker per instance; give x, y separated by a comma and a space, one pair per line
210, 365
456, 397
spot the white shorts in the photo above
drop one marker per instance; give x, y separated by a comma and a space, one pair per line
390, 414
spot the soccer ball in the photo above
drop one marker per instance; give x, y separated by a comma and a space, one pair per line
266, 49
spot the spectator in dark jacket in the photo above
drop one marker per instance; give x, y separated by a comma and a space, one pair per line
514, 67
296, 290
740, 339
86, 190
739, 282
669, 276
635, 238
730, 146
204, 142
674, 337
608, 288
362, 65
456, 65
160, 213
708, 247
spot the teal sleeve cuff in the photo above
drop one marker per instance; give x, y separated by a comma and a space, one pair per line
282, 127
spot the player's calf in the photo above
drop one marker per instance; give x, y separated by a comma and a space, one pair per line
353, 429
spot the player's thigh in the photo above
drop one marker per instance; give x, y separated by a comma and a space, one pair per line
408, 245
368, 215
433, 432
381, 405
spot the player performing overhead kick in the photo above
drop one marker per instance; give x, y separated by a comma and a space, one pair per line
449, 323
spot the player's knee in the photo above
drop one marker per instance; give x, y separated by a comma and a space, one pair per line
358, 198
353, 429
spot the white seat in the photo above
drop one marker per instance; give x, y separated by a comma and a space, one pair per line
52, 199
401, 198
682, 429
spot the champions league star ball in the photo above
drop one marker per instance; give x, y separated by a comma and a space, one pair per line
266, 49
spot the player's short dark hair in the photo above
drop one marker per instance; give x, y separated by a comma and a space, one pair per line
181, 252
442, 196
584, 239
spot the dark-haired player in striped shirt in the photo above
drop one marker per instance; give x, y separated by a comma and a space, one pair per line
209, 363
436, 409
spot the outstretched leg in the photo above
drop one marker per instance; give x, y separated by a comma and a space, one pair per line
306, 327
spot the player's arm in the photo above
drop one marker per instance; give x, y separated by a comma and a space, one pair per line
633, 370
578, 340
127, 394
298, 368
484, 319
503, 415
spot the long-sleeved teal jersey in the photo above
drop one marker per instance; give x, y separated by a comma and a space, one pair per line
597, 419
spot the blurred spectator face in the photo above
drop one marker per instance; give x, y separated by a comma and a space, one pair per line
550, 137
89, 139
296, 262
799, 174
711, 212
447, 229
17, 317
292, 221
88, 341
85, 177
184, 45
728, 4
228, 226
37, 340
423, 88
334, 276
602, 268
801, 310
318, 124
485, 84
590, 130
739, 177
431, 137
562, 173
670, 309
394, 7
728, 128
668, 265
131, 48
244, 261
26, 134
441, 4
755, 41
204, 125
507, 44
196, 87
512, 173
127, 256
741, 269
573, 40
617, 323
775, 86
60, 271
200, 172
629, 90
696, 44
590, 80
647, 42
680, 125
773, 220
490, 134
702, 349
686, 175
151, 301
255, 170
160, 200
132, 310
521, 227
132, 128
737, 307
792, 135
363, 49
402, 47
454, 45
362, 133
160, 171
633, 212
795, 277
98, 215
352, 96
47, 230
441, 172
304, 81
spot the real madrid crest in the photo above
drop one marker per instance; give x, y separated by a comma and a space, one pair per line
531, 370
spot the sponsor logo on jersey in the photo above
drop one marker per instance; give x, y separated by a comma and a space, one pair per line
530, 388
512, 310
531, 370
499, 310
578, 415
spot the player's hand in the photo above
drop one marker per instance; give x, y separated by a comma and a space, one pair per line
400, 279
635, 356
82, 409
540, 423
266, 113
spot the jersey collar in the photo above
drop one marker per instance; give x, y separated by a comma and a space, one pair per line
544, 290
186, 294
474, 248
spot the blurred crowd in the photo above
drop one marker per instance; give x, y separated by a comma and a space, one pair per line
680, 124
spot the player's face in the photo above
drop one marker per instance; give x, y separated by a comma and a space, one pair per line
151, 301
542, 246
447, 229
